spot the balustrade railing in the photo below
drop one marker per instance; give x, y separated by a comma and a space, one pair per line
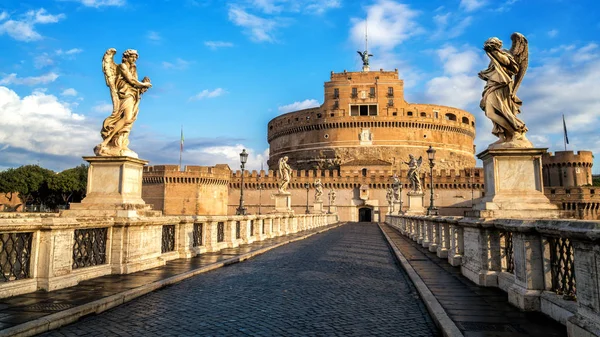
89, 247
507, 254
15, 256
220, 231
238, 229
198, 234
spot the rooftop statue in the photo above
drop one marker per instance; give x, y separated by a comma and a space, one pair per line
125, 91
499, 98
365, 57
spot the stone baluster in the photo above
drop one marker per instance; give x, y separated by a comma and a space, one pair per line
434, 236
443, 235
426, 232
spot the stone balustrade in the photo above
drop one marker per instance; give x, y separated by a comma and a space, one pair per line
56, 252
552, 266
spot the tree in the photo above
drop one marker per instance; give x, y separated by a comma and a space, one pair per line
70, 184
31, 183
8, 183
596, 181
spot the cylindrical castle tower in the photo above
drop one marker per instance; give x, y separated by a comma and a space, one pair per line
364, 116
567, 169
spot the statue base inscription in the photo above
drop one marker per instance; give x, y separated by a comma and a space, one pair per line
114, 188
415, 203
513, 185
283, 203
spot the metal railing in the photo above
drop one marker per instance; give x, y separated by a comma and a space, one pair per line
89, 247
15, 256
168, 238
198, 234
507, 254
220, 232
561, 267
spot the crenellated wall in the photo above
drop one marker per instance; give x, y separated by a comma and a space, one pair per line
197, 190
567, 169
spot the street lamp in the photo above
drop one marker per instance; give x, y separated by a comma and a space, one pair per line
431, 155
307, 186
260, 188
243, 158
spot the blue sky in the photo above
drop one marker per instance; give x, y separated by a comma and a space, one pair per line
223, 69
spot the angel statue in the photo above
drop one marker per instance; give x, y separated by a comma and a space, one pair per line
318, 190
125, 91
499, 98
332, 196
414, 165
365, 57
285, 175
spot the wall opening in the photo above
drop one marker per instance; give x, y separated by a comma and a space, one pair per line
365, 214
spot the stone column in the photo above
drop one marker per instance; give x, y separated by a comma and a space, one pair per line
456, 251
586, 322
529, 270
482, 260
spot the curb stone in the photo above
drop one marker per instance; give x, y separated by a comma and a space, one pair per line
437, 312
56, 320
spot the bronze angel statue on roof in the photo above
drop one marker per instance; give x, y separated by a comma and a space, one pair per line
365, 57
499, 98
125, 91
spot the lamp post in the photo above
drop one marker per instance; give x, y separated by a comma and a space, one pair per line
400, 195
260, 188
307, 186
432, 210
243, 158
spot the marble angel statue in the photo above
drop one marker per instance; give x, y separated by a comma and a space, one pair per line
125, 91
285, 175
499, 98
414, 166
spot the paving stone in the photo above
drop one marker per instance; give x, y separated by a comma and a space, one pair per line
344, 282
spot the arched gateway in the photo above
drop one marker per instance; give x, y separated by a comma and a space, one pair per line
365, 214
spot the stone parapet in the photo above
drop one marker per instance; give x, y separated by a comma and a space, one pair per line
543, 265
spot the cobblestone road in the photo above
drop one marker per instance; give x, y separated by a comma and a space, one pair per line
343, 282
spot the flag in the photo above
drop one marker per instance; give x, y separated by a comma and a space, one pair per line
565, 128
181, 144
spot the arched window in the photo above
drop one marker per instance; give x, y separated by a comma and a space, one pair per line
450, 117
364, 172
423, 114
465, 120
410, 113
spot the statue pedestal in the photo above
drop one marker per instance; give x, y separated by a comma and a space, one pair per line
283, 203
415, 203
318, 207
332, 209
114, 188
513, 185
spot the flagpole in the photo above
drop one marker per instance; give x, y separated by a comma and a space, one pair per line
181, 148
565, 137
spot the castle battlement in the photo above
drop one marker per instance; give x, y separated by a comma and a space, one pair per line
568, 158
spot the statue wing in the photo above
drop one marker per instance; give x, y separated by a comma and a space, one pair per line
520, 51
360, 53
109, 67
419, 161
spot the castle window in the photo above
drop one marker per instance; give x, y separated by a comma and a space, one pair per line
363, 110
436, 114
332, 114
391, 102
592, 191
336, 105
371, 92
336, 93
465, 120
423, 114
364, 172
410, 113
394, 113
473, 124
450, 117
319, 115
390, 92
354, 92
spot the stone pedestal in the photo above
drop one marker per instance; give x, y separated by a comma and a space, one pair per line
415, 203
114, 188
397, 209
283, 203
318, 207
513, 185
332, 209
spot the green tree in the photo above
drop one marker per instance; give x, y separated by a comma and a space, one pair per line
70, 184
31, 183
596, 181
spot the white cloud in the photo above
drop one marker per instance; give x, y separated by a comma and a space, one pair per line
259, 29
3, 15
39, 123
208, 94
322, 6
307, 103
472, 5
153, 36
217, 44
69, 92
43, 60
553, 33
178, 64
103, 107
280, 6
450, 26
389, 24
32, 80
230, 155
71, 51
23, 29
100, 3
